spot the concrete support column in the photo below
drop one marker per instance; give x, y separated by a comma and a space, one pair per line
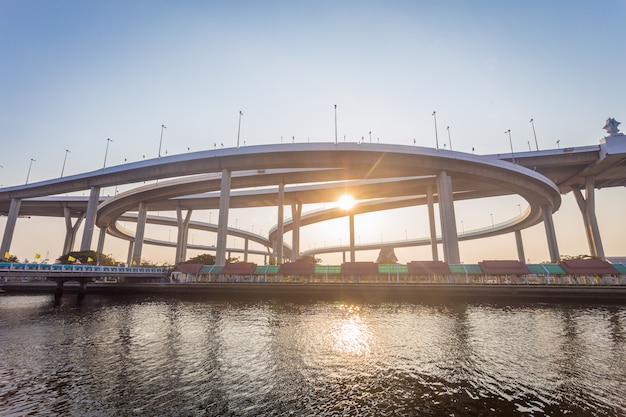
520, 246
352, 250
448, 222
593, 220
431, 220
182, 235
246, 242
222, 224
90, 218
102, 235
588, 210
582, 206
129, 257
550, 233
14, 211
141, 227
70, 230
280, 230
296, 214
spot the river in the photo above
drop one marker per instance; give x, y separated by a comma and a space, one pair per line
189, 356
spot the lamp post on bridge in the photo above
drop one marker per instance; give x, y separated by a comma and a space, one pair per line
106, 151
511, 143
161, 140
64, 159
436, 135
532, 122
239, 127
29, 167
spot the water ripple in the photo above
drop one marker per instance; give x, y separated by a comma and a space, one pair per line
171, 357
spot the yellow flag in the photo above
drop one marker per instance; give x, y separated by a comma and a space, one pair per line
70, 258
7, 255
37, 256
89, 259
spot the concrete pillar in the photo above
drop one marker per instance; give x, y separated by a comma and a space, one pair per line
550, 233
352, 250
296, 214
593, 220
103, 233
129, 257
448, 221
90, 218
280, 230
182, 235
520, 246
582, 206
139, 233
70, 230
588, 210
245, 249
222, 224
431, 220
14, 211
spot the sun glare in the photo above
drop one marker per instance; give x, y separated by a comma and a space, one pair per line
346, 202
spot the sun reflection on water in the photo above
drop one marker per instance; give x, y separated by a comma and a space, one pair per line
351, 335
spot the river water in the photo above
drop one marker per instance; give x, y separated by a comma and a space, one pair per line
159, 356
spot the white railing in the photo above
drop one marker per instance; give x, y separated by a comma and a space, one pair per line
33, 267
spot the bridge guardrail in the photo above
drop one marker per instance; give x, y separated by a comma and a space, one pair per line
12, 266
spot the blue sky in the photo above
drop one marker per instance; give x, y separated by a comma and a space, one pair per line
75, 73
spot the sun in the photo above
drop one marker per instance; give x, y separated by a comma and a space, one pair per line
346, 202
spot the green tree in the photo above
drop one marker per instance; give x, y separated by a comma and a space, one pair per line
12, 258
88, 257
204, 259
309, 258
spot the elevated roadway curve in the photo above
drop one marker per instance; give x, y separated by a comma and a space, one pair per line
386, 175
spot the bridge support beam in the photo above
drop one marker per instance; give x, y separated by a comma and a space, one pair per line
281, 220
448, 222
101, 236
430, 202
246, 243
553, 247
183, 235
139, 233
70, 230
296, 214
90, 218
588, 210
520, 246
222, 224
14, 211
352, 250
129, 256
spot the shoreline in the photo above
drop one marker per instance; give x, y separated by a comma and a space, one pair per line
343, 292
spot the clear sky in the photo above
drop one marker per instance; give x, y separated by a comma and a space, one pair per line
74, 73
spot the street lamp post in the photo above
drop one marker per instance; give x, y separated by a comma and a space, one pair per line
491, 214
558, 144
532, 122
336, 125
161, 140
64, 159
106, 151
511, 143
449, 139
239, 127
436, 135
29, 167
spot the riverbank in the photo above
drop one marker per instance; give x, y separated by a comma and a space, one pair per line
346, 292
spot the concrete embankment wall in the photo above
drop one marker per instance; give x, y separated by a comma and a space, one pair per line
348, 292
